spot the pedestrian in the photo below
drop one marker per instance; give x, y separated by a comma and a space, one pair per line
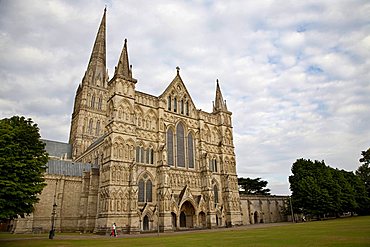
115, 229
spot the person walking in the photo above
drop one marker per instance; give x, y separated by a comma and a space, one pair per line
114, 231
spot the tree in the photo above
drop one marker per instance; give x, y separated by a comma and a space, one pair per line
363, 171
253, 186
22, 164
318, 189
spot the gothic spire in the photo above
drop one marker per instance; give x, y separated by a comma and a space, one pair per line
219, 104
96, 69
123, 68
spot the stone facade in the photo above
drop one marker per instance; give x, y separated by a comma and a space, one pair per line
156, 161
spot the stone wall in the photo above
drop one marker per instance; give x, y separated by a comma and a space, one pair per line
65, 192
262, 209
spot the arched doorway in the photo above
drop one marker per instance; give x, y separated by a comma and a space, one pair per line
187, 215
174, 220
255, 217
202, 220
182, 219
146, 223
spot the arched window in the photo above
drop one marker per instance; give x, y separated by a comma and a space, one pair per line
100, 103
92, 101
169, 102
142, 155
187, 108
180, 141
97, 128
145, 190
175, 104
141, 190
90, 126
190, 151
215, 191
213, 165
182, 106
137, 154
147, 154
148, 191
170, 147
150, 156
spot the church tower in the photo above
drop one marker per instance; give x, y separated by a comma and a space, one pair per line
229, 179
89, 113
118, 189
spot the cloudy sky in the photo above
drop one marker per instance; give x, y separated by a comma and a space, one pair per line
295, 74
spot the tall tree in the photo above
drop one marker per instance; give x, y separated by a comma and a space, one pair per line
364, 169
253, 186
319, 189
22, 164
363, 173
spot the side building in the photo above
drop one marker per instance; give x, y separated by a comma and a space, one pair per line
144, 162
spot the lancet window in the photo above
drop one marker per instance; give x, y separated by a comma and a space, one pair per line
215, 192
190, 151
145, 156
170, 147
213, 165
145, 190
180, 148
180, 141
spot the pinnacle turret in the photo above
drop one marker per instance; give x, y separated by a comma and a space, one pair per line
219, 104
123, 67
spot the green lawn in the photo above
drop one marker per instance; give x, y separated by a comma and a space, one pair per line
340, 232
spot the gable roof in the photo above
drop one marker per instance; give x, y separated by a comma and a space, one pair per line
178, 86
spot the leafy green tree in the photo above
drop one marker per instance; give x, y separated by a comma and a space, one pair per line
364, 169
318, 189
309, 185
253, 186
363, 173
22, 164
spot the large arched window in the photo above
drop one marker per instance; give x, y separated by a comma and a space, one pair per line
190, 151
170, 147
145, 190
180, 141
148, 191
141, 190
215, 191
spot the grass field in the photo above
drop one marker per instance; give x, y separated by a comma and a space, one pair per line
339, 232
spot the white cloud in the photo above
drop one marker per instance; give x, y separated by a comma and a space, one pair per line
294, 74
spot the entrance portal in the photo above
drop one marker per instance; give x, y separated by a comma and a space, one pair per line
202, 220
174, 220
187, 215
255, 217
146, 223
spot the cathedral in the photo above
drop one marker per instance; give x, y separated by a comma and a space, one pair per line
143, 162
